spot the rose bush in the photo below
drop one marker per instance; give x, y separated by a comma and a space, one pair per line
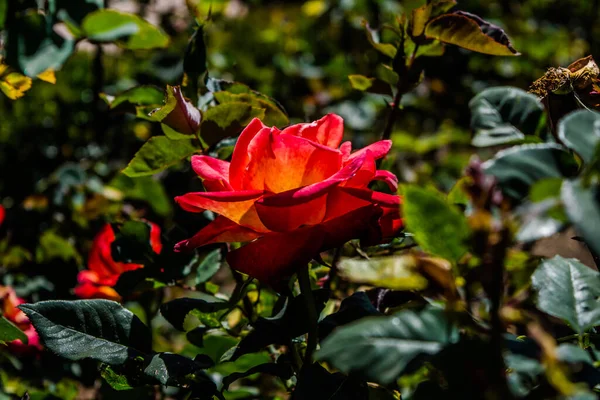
103, 272
9, 301
292, 193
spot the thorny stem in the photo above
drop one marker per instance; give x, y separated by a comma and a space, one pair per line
306, 290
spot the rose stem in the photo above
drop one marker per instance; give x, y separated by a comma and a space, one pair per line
309, 301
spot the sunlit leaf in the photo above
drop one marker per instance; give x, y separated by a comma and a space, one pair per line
398, 273
470, 32
372, 85
140, 95
384, 48
144, 189
422, 15
274, 114
157, 154
569, 290
10, 332
227, 120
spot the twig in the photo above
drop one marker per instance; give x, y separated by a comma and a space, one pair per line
309, 301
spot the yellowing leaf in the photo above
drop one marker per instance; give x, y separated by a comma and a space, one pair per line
398, 273
470, 32
14, 85
48, 76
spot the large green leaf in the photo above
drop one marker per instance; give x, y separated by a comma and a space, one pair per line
274, 114
144, 95
128, 30
519, 167
146, 189
157, 154
580, 131
439, 228
176, 311
72, 13
569, 290
10, 332
470, 32
227, 120
98, 329
504, 115
32, 48
380, 348
582, 205
172, 369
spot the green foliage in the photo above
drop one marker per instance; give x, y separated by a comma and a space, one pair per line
580, 131
380, 348
10, 332
157, 154
568, 290
581, 205
438, 227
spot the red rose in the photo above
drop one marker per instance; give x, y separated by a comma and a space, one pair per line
103, 272
292, 194
8, 305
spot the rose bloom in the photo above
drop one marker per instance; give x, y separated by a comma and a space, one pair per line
8, 304
292, 194
103, 272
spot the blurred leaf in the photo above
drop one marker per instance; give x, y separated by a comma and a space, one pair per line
380, 348
144, 95
352, 308
176, 311
178, 113
518, 168
10, 332
173, 369
127, 30
470, 32
316, 383
72, 14
132, 243
545, 189
99, 329
209, 266
371, 85
538, 220
283, 371
274, 114
504, 115
569, 290
458, 195
580, 132
146, 189
227, 120
194, 60
384, 48
583, 209
439, 228
3, 12
32, 48
157, 154
13, 84
52, 246
398, 273
421, 15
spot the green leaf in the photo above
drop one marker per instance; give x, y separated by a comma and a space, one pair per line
144, 95
157, 154
583, 209
146, 189
73, 13
227, 120
10, 332
384, 48
53, 246
176, 311
3, 12
352, 308
580, 131
194, 60
422, 15
470, 32
283, 371
504, 115
99, 329
32, 48
274, 113
380, 348
209, 266
127, 30
397, 273
518, 168
116, 380
372, 85
173, 369
439, 228
569, 290
177, 112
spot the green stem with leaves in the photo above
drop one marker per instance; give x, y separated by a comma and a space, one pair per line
309, 301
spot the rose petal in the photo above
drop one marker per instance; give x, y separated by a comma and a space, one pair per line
214, 173
327, 131
377, 198
389, 178
91, 291
235, 206
219, 230
378, 149
100, 259
340, 202
362, 223
240, 156
155, 241
275, 257
283, 162
365, 174
305, 206
346, 149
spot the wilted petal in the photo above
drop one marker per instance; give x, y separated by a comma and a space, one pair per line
219, 230
214, 173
